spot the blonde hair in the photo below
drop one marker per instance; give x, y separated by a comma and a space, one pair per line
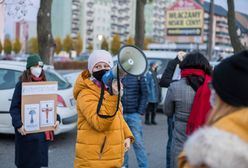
220, 110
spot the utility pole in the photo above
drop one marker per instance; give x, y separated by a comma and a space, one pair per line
210, 32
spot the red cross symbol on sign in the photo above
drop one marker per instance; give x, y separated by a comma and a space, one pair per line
47, 110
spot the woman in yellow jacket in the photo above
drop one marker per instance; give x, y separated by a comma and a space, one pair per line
102, 134
223, 143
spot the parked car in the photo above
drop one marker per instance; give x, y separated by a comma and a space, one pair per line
61, 59
10, 72
82, 57
71, 77
7, 57
22, 57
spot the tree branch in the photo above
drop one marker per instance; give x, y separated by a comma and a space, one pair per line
237, 46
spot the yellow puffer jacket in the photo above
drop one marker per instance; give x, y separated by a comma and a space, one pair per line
224, 145
100, 142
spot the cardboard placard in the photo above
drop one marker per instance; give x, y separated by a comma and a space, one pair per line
39, 106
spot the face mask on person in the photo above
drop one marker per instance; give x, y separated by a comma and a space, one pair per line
36, 71
99, 74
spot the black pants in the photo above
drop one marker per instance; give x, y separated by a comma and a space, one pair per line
151, 108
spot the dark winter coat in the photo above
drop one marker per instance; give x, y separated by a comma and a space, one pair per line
31, 151
152, 86
134, 99
178, 103
166, 78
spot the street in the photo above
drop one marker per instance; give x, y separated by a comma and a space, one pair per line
61, 151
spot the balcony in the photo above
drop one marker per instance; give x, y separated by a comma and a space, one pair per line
75, 29
89, 22
114, 17
75, 18
89, 32
76, 12
90, 4
90, 13
89, 40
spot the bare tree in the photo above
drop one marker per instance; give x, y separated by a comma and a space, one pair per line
17, 8
45, 37
237, 46
210, 32
140, 24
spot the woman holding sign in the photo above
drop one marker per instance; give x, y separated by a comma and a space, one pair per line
31, 150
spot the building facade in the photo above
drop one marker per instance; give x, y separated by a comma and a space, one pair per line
159, 21
61, 18
221, 38
75, 18
104, 18
25, 30
123, 14
149, 20
155, 20
2, 23
87, 27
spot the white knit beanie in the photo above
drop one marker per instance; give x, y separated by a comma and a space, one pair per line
99, 56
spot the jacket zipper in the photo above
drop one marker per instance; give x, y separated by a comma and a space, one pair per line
102, 147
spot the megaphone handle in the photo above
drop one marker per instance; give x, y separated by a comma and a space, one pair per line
118, 82
110, 90
101, 99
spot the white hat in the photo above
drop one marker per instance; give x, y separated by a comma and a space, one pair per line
99, 56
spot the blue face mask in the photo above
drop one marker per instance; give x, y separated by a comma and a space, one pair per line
99, 74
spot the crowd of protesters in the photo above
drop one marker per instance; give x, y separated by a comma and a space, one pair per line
206, 109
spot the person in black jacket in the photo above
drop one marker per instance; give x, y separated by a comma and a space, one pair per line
31, 150
170, 75
134, 101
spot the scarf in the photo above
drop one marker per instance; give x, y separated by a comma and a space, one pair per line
201, 105
49, 135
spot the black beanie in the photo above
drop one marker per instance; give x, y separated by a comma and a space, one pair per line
230, 79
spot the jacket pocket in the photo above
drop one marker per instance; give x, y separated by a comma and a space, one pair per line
102, 147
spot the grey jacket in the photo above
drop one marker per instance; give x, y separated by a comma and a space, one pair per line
178, 102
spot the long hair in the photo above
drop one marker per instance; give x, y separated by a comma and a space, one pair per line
27, 76
220, 110
195, 60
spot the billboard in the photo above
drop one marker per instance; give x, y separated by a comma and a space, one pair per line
184, 18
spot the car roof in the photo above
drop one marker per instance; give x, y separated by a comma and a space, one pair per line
156, 54
18, 65
160, 54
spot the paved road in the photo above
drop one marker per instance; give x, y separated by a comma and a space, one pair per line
61, 151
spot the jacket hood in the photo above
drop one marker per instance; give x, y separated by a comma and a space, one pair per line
216, 148
82, 82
